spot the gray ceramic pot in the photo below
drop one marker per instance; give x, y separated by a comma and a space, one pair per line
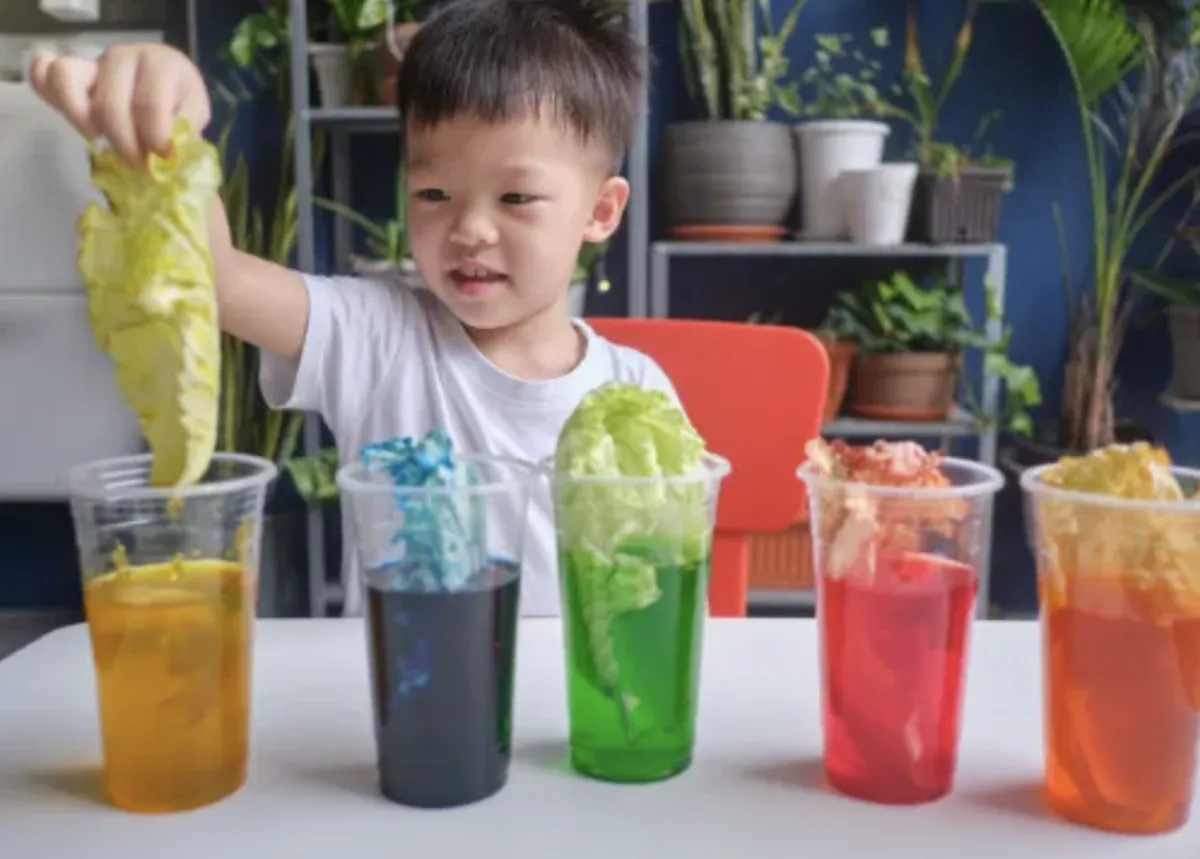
1185, 348
727, 173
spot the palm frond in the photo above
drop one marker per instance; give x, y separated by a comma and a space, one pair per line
1101, 46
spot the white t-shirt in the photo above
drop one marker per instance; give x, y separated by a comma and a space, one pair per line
382, 360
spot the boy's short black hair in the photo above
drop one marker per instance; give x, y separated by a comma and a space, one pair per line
501, 59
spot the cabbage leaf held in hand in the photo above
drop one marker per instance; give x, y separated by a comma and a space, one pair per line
148, 272
613, 533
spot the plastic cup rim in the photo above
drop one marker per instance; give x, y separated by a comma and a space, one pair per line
1033, 485
83, 486
712, 466
349, 481
991, 482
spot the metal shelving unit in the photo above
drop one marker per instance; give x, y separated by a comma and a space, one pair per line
339, 124
960, 425
320, 594
656, 304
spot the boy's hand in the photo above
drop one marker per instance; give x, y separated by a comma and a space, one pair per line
130, 97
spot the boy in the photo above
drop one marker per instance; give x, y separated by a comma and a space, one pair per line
515, 115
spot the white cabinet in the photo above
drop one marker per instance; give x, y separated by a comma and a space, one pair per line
59, 404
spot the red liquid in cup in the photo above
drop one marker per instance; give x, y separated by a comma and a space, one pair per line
893, 648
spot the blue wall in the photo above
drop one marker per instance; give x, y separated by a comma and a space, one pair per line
1015, 67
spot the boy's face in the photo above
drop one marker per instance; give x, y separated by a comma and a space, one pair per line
497, 213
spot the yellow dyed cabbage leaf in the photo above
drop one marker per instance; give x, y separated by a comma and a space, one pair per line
148, 273
1150, 552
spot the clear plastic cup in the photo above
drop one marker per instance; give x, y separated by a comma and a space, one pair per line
169, 583
441, 577
1119, 587
634, 557
897, 580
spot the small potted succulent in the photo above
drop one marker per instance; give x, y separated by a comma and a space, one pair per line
911, 338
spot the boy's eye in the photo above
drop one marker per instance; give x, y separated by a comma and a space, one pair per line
431, 195
514, 199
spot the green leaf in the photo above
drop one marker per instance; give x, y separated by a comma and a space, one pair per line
1173, 290
315, 477
1100, 44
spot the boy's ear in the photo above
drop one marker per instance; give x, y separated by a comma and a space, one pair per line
610, 206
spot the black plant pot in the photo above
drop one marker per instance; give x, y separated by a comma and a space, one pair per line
961, 208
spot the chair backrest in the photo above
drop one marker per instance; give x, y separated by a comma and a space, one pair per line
755, 392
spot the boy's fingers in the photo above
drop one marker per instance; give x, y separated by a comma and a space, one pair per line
112, 103
153, 105
65, 83
194, 106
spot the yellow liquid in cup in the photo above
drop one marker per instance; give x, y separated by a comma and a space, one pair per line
171, 644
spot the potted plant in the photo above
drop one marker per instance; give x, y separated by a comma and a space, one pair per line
389, 254
1183, 312
958, 193
841, 98
911, 340
341, 49
876, 202
842, 352
589, 267
387, 55
732, 174
1145, 71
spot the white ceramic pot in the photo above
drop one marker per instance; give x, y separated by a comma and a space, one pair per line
827, 149
877, 201
335, 81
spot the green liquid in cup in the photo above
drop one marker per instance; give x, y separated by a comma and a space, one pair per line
634, 631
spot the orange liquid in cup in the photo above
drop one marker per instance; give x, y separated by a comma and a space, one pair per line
893, 652
1122, 704
171, 646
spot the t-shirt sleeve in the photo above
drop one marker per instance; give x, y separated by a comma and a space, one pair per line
356, 328
654, 378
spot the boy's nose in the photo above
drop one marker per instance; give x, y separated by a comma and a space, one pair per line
472, 229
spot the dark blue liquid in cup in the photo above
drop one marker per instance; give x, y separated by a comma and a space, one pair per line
442, 682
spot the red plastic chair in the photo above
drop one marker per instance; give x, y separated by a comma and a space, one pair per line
756, 393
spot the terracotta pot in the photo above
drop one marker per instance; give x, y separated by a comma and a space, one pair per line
905, 386
841, 359
387, 65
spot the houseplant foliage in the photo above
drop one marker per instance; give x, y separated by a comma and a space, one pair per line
960, 189
734, 168
911, 338
842, 101
1135, 79
1182, 298
247, 424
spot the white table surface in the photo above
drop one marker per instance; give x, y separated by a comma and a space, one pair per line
753, 791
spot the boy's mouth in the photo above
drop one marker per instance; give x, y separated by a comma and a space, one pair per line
473, 279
